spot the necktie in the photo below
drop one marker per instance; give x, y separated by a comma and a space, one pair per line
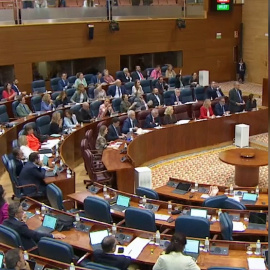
116, 131
72, 120
177, 99
153, 120
25, 108
132, 125
240, 99
140, 75
223, 110
119, 92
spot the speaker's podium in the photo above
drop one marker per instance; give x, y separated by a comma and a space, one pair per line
143, 177
242, 135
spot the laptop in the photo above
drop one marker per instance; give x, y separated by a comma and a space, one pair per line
45, 160
192, 248
257, 221
182, 188
48, 225
51, 173
122, 203
114, 114
96, 238
198, 212
249, 198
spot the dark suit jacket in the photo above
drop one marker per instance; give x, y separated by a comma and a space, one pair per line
173, 99
212, 93
55, 129
161, 87
15, 88
149, 123
251, 104
243, 68
219, 110
233, 98
119, 261
135, 76
83, 116
169, 120
28, 237
125, 79
127, 125
112, 135
112, 90
154, 99
62, 84
31, 174
94, 80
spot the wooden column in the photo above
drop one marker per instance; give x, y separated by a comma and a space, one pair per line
23, 72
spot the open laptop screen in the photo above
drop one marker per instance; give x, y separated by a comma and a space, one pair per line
192, 246
49, 222
97, 236
250, 197
258, 218
198, 213
123, 200
183, 186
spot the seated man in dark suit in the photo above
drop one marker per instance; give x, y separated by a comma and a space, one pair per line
14, 259
84, 114
17, 156
176, 98
97, 79
137, 74
32, 173
213, 91
125, 76
63, 83
16, 221
152, 120
114, 132
161, 85
221, 108
131, 123
16, 88
156, 98
117, 90
106, 255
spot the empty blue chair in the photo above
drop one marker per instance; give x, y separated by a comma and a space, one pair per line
233, 204
214, 202
94, 107
10, 237
1, 91
200, 93
91, 93
172, 82
14, 106
116, 104
38, 86
153, 83
167, 97
147, 192
146, 86
3, 114
188, 225
128, 87
119, 74
97, 209
186, 79
72, 79
88, 78
186, 95
226, 226
98, 266
76, 108
70, 92
163, 70
36, 103
148, 71
140, 219
55, 95
54, 83
43, 124
55, 197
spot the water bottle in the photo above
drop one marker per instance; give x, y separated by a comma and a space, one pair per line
61, 163
231, 190
144, 200
62, 137
219, 212
72, 267
169, 207
104, 190
258, 248
196, 188
257, 191
81, 124
157, 238
125, 146
114, 229
43, 210
77, 218
206, 244
25, 255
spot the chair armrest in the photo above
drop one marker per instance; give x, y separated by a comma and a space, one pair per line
29, 185
100, 172
82, 258
69, 201
166, 230
215, 237
120, 223
32, 249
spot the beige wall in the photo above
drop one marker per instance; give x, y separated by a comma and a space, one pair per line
255, 43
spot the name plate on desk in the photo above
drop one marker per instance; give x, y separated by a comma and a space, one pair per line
123, 238
79, 226
219, 250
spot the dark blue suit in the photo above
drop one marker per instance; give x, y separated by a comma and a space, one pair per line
31, 174
94, 80
150, 123
16, 89
212, 92
127, 125
173, 99
62, 84
220, 110
112, 90
112, 135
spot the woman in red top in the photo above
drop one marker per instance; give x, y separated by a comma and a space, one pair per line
3, 205
107, 77
206, 111
32, 141
8, 93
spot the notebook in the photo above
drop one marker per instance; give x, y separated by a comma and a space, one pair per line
182, 188
122, 203
96, 238
249, 198
192, 248
257, 221
198, 213
48, 224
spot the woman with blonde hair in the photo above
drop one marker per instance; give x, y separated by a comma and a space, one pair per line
80, 95
137, 88
56, 123
170, 73
105, 109
22, 140
206, 111
61, 99
169, 117
101, 142
46, 103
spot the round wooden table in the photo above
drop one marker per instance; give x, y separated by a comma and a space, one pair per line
247, 162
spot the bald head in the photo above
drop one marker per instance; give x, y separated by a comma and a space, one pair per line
154, 113
108, 244
85, 106
118, 83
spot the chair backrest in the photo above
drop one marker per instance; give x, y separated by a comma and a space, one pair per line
97, 209
226, 226
88, 78
15, 143
172, 82
140, 219
38, 86
233, 204
89, 135
5, 160
43, 124
215, 202
119, 74
55, 95
97, 266
200, 93
148, 71
36, 103
91, 92
72, 79
33, 124
116, 104
14, 106
186, 95
186, 79
94, 107
55, 250
55, 196
163, 70
54, 83
10, 237
195, 109
1, 91
181, 112
3, 114
76, 108
149, 193
70, 92
141, 117
146, 86
153, 83
11, 168
128, 87
167, 97
189, 225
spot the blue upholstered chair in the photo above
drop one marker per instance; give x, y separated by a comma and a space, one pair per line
55, 197
91, 93
149, 193
128, 87
98, 266
153, 84
172, 82
10, 237
116, 104
186, 95
146, 86
140, 219
72, 79
186, 79
43, 124
1, 91
167, 97
14, 105
88, 78
15, 144
148, 71
119, 74
200, 93
70, 92
54, 83
189, 225
55, 95
94, 107
33, 124
97, 209
3, 114
5, 160
214, 202
163, 70
38, 86
36, 103
226, 226
233, 204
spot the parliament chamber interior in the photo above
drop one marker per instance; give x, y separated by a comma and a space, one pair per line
134, 134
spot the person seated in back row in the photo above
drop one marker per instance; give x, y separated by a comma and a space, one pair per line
70, 120
22, 109
161, 85
156, 98
117, 90
152, 120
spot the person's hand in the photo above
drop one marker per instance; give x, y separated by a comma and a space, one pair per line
134, 103
243, 102
238, 104
78, 125
58, 236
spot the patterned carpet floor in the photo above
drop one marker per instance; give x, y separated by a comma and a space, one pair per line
260, 140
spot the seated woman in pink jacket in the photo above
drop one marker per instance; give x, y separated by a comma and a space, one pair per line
3, 205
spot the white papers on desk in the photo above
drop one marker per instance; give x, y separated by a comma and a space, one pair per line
205, 196
158, 127
256, 264
236, 198
238, 226
50, 144
190, 102
115, 145
134, 249
142, 131
181, 122
162, 217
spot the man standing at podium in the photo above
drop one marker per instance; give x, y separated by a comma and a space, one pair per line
236, 101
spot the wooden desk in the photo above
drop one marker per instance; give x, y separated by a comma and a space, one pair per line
246, 168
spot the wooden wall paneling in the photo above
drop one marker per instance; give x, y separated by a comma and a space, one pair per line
23, 72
